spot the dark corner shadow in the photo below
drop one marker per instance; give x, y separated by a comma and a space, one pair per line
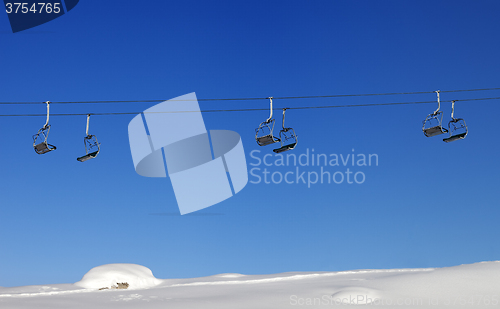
175, 214
28, 32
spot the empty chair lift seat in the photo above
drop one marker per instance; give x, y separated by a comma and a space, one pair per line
430, 132
266, 140
44, 148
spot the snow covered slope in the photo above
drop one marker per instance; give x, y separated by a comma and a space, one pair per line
466, 286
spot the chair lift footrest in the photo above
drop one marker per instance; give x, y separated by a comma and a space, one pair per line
88, 156
455, 137
285, 148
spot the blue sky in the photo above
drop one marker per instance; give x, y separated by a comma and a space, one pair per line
426, 204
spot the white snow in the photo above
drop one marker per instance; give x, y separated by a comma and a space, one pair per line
108, 276
465, 286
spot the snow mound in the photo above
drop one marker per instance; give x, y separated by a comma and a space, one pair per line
229, 275
355, 296
108, 276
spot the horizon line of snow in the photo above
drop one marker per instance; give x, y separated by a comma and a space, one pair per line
255, 281
298, 277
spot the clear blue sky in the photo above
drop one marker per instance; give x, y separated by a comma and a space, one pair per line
426, 204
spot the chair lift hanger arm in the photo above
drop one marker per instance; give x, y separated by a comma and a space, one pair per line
264, 133
40, 143
457, 126
283, 123
288, 138
271, 111
88, 121
48, 114
91, 144
439, 103
433, 123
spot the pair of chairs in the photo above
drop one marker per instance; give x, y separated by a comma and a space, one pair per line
41, 145
433, 125
264, 134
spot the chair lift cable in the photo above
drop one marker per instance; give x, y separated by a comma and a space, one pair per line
248, 109
256, 99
